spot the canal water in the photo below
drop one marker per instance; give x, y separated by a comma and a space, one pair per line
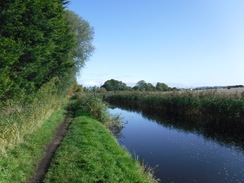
179, 156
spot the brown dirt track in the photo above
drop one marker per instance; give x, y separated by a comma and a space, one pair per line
51, 148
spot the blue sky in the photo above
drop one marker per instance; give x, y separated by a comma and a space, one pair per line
183, 43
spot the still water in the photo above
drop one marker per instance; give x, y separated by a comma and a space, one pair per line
181, 157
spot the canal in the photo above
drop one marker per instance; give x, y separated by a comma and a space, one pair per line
180, 156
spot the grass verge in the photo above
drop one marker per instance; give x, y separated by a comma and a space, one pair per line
23, 116
19, 163
89, 153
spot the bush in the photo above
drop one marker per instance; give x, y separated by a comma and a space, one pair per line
92, 104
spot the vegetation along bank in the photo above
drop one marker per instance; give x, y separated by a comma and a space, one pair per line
89, 153
207, 104
214, 114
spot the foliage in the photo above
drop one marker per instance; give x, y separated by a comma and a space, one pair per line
143, 86
19, 163
39, 41
9, 54
83, 34
162, 87
92, 104
39, 33
90, 154
114, 85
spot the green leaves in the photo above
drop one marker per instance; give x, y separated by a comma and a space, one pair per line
9, 54
114, 85
83, 35
39, 41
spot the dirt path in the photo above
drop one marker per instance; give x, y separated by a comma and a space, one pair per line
51, 148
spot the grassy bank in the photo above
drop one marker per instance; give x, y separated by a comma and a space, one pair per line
189, 103
18, 163
89, 153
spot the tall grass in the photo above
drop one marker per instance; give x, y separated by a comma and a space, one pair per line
216, 116
22, 116
208, 103
92, 104
20, 161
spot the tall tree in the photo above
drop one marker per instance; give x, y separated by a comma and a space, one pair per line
40, 30
83, 34
38, 42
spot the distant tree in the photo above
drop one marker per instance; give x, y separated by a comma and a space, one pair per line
150, 87
114, 85
143, 86
162, 87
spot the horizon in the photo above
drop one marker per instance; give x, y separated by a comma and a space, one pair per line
179, 86
181, 44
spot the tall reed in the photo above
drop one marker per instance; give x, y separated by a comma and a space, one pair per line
187, 103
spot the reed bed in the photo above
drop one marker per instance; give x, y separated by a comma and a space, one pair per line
209, 103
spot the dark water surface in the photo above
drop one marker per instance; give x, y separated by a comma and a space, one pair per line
181, 156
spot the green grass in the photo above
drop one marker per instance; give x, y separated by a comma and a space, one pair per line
89, 153
19, 162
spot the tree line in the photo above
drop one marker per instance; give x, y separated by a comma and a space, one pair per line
40, 40
115, 85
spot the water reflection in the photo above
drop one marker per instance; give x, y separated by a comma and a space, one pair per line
226, 132
182, 156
